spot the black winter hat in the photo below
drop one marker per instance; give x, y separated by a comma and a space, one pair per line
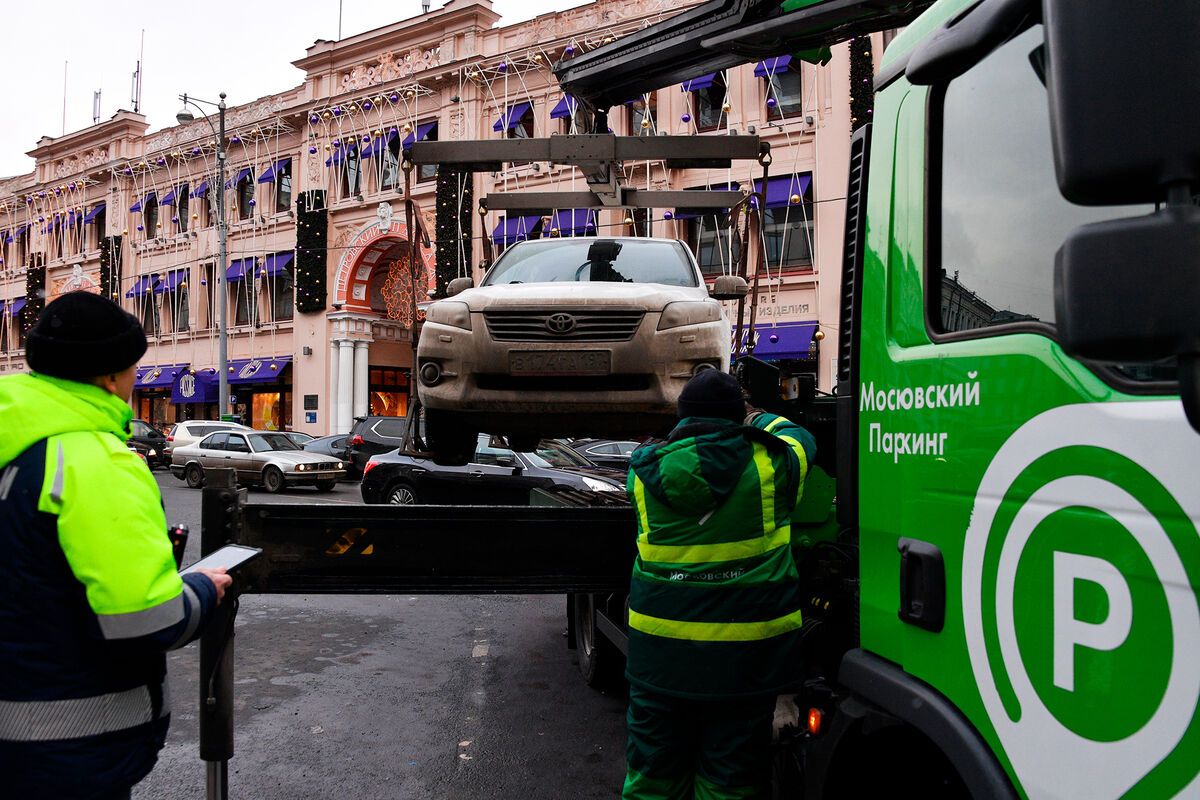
712, 393
81, 335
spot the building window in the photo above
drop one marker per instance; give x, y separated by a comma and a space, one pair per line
149, 301
523, 129
182, 206
641, 221
717, 246
244, 301
176, 307
785, 97
642, 113
150, 216
788, 235
351, 173
209, 284
245, 195
389, 164
99, 225
283, 187
280, 286
427, 172
707, 103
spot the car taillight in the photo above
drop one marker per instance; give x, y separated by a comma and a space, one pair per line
170, 438
356, 440
369, 466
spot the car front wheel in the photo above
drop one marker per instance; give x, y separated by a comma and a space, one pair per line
272, 479
194, 476
326, 486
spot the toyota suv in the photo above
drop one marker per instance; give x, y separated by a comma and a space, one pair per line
570, 337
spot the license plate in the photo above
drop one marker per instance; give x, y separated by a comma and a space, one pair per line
559, 362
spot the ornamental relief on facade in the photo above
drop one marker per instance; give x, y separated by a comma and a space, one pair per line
390, 67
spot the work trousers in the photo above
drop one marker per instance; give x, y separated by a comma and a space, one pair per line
686, 749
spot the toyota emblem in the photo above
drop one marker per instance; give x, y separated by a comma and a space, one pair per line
560, 323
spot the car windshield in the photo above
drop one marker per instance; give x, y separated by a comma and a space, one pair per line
596, 260
271, 441
553, 454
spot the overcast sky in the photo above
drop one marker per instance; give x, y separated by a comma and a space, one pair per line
203, 47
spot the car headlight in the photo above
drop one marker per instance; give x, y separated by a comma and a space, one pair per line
301, 467
340, 465
448, 312
153, 453
599, 486
688, 312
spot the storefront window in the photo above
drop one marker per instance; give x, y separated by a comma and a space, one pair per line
266, 413
388, 387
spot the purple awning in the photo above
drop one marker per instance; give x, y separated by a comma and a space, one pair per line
15, 307
20, 230
772, 66
511, 117
95, 212
516, 229
138, 205
422, 132
277, 263
142, 286
200, 190
701, 82
237, 270
172, 281
342, 153
380, 144
565, 107
279, 165
241, 176
773, 342
257, 370
573, 222
158, 377
780, 190
195, 386
170, 196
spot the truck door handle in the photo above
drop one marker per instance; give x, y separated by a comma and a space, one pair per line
922, 584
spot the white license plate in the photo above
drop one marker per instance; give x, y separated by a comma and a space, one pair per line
559, 362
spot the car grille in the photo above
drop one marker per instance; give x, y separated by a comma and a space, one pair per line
324, 465
588, 325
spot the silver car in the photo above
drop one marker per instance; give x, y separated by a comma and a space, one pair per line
570, 337
268, 458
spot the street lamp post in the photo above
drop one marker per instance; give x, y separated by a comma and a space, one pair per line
183, 117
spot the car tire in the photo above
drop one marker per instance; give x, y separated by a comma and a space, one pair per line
450, 442
402, 493
599, 661
273, 480
326, 486
194, 476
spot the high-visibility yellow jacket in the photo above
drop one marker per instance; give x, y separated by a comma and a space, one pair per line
714, 603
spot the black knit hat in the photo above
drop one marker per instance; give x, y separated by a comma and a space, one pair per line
81, 335
712, 393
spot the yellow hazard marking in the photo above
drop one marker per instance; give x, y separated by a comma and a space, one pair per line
345, 542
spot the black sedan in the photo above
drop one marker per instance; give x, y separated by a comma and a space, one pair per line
606, 452
495, 475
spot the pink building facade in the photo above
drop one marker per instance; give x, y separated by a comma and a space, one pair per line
119, 209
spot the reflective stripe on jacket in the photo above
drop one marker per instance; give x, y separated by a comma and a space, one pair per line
714, 607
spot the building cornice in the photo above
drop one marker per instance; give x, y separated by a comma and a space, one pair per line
123, 125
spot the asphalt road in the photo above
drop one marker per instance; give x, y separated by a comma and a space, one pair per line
394, 696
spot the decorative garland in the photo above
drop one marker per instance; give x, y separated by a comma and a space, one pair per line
453, 215
312, 236
110, 267
35, 291
862, 82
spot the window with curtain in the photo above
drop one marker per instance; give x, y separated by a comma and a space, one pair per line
245, 196
351, 173
283, 187
281, 287
182, 208
150, 216
785, 90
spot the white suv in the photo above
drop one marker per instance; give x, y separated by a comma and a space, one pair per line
570, 337
196, 429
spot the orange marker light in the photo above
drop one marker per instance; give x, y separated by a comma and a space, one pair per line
814, 721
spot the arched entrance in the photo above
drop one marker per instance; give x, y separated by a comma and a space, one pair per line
371, 344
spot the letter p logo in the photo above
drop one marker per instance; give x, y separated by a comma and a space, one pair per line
1069, 630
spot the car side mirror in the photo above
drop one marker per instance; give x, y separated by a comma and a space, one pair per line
507, 461
729, 287
458, 285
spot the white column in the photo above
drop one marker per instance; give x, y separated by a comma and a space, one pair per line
329, 412
361, 382
345, 385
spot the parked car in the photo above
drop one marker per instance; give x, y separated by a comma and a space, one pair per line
298, 437
153, 440
334, 445
371, 435
194, 430
260, 457
496, 474
570, 337
606, 452
141, 450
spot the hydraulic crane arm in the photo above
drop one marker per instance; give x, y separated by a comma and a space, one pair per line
717, 35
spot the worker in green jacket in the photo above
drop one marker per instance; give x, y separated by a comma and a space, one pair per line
714, 601
91, 599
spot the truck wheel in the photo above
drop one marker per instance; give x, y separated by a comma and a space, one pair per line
272, 479
599, 661
194, 476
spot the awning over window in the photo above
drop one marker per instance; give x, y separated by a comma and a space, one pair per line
277, 263
172, 281
702, 82
20, 230
237, 270
241, 176
195, 386
694, 212
565, 107
170, 196
379, 145
95, 212
257, 370
773, 342
200, 190
142, 285
772, 66
269, 175
3, 308
573, 222
509, 119
422, 132
342, 153
15, 307
516, 229
159, 377
780, 190
136, 207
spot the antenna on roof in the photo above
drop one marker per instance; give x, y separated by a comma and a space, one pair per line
64, 118
96, 107
136, 89
424, 6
